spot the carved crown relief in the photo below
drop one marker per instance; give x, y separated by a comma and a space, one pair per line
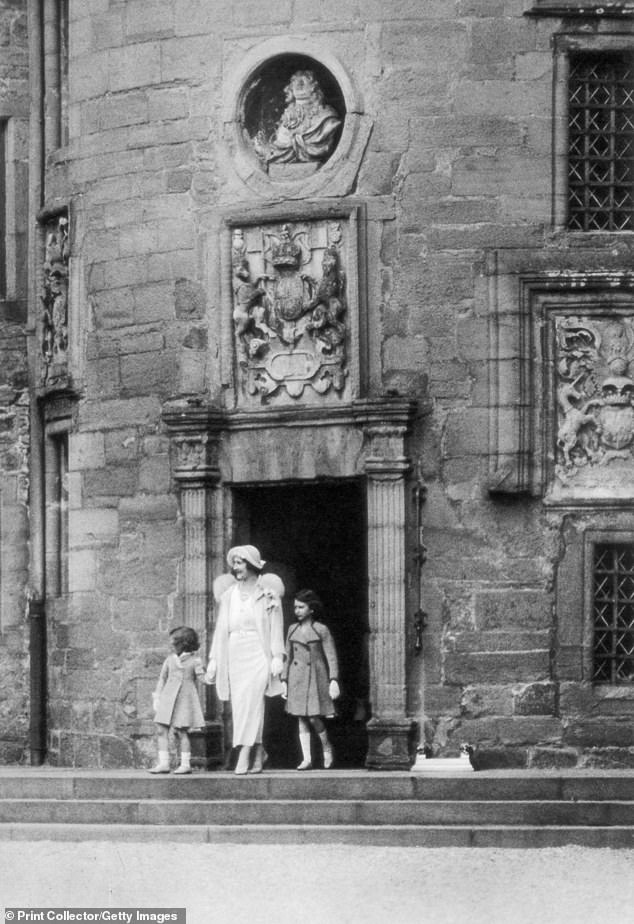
290, 315
54, 298
594, 390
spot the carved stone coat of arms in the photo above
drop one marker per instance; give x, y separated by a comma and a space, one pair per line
594, 390
289, 309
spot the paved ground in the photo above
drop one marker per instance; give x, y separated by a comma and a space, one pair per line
329, 884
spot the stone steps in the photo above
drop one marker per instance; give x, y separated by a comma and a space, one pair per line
316, 812
512, 808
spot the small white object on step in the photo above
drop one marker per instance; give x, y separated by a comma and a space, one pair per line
437, 766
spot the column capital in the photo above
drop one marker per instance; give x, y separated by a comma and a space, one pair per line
386, 458
195, 460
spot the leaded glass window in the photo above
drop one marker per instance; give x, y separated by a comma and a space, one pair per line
613, 613
601, 142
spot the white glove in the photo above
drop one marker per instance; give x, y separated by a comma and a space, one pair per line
210, 675
276, 666
333, 690
284, 690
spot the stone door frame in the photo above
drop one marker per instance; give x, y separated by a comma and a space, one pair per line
213, 451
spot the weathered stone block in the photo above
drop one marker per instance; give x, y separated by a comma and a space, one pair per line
510, 731
491, 758
185, 56
498, 640
576, 698
499, 667
93, 527
598, 733
82, 567
148, 373
85, 750
442, 700
481, 700
189, 299
115, 414
155, 475
114, 481
553, 758
144, 507
607, 758
520, 609
148, 19
121, 445
535, 699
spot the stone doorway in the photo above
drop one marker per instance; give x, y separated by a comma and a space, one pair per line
315, 535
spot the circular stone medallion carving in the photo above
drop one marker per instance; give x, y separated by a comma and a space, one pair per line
293, 115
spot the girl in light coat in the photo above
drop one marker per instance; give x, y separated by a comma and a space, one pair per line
175, 699
247, 650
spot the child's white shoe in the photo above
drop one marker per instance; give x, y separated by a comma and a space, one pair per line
305, 765
185, 764
162, 764
327, 749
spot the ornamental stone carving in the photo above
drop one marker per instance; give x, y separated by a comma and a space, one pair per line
55, 302
289, 309
307, 130
594, 389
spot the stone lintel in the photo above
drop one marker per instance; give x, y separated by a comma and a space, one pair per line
183, 416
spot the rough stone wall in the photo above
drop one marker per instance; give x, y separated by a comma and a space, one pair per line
14, 402
459, 161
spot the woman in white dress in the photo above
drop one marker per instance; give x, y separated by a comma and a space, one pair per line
247, 649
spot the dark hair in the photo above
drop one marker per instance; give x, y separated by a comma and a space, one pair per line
185, 639
310, 598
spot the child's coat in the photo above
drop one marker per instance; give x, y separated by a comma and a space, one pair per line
311, 664
176, 694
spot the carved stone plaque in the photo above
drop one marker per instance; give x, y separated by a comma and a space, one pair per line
290, 312
594, 406
54, 297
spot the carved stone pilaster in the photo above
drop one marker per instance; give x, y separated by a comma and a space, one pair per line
195, 470
387, 467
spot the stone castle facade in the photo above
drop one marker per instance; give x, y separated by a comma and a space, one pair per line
351, 282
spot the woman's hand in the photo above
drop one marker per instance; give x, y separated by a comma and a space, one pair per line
276, 666
333, 690
210, 674
155, 701
284, 690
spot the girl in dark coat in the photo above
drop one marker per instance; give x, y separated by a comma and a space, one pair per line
310, 675
176, 701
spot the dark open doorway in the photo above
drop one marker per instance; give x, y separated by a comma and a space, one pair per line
315, 536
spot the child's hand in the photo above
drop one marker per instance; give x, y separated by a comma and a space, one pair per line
155, 701
333, 690
210, 676
284, 690
276, 666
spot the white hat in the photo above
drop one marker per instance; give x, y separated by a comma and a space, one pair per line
248, 553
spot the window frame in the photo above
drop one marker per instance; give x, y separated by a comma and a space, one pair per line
591, 538
56, 475
566, 44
